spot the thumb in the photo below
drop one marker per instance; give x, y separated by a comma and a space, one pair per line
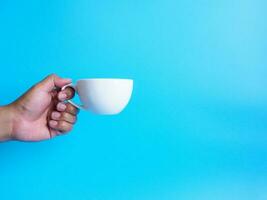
52, 81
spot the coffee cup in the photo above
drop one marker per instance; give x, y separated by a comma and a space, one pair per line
105, 96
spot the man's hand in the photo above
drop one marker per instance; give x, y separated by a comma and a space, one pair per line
41, 113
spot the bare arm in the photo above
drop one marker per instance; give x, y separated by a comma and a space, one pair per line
6, 116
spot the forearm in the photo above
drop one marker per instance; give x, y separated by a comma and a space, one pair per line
6, 116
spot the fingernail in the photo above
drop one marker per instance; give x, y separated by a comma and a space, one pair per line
61, 106
55, 115
62, 96
53, 123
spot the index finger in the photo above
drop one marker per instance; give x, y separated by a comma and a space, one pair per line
66, 94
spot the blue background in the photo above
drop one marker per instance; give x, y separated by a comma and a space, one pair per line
196, 126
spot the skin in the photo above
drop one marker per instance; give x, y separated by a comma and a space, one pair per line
39, 114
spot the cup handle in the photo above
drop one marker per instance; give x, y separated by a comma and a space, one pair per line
70, 101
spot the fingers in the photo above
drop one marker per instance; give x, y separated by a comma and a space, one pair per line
50, 82
63, 118
66, 94
67, 107
61, 126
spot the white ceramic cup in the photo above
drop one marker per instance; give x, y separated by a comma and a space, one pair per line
106, 96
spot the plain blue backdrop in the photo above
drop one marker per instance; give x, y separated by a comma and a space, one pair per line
196, 127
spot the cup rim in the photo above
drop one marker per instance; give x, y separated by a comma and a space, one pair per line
103, 79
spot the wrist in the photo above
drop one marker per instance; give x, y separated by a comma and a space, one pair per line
6, 122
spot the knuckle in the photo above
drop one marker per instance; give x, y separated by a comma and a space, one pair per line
65, 115
52, 75
68, 117
65, 126
71, 108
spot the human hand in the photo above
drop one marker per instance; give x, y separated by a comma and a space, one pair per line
41, 112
